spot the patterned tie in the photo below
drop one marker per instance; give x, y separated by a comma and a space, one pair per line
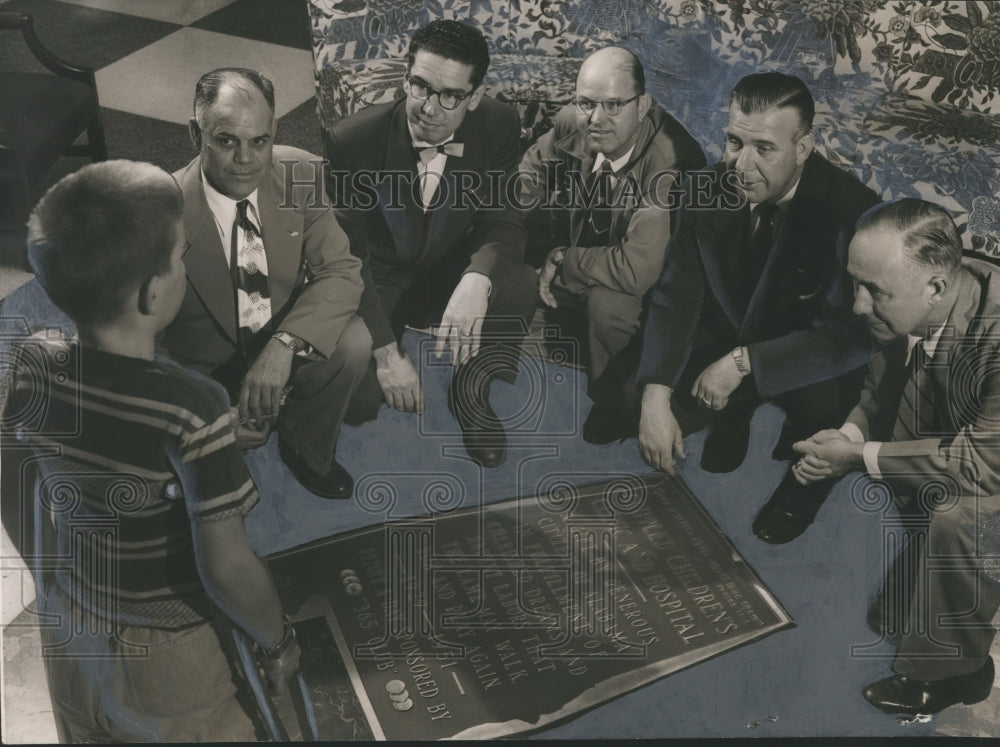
914, 418
248, 264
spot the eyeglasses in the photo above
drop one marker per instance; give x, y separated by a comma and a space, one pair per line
421, 91
611, 107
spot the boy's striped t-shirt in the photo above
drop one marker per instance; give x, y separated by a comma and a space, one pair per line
129, 453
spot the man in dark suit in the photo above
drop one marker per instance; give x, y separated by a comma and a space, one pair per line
273, 289
420, 186
618, 156
753, 302
927, 426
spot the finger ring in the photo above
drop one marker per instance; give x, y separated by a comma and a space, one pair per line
706, 400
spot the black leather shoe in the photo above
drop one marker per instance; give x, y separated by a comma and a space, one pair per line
482, 431
726, 445
900, 694
790, 511
337, 484
607, 423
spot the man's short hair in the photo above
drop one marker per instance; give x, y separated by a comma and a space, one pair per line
755, 94
929, 234
453, 41
98, 233
206, 90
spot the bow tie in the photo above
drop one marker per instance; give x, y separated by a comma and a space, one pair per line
451, 148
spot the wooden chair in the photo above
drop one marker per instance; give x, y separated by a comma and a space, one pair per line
41, 116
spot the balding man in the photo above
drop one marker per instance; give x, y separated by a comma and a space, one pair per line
272, 285
927, 426
618, 154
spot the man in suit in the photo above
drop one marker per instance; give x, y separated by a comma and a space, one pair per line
630, 153
272, 285
435, 232
927, 426
754, 302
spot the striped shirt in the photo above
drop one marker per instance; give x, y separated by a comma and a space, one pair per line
130, 452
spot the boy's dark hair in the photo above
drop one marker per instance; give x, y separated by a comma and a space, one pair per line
206, 90
929, 234
98, 233
454, 41
759, 92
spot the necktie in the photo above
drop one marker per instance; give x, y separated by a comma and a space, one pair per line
248, 265
451, 148
758, 249
914, 418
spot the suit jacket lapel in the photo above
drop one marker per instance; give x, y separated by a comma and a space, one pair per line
406, 224
577, 214
282, 242
760, 292
803, 215
714, 242
204, 258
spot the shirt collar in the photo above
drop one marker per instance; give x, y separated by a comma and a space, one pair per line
930, 343
617, 164
224, 208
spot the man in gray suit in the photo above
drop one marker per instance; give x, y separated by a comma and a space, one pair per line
928, 425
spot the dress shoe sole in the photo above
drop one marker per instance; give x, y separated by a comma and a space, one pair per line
893, 688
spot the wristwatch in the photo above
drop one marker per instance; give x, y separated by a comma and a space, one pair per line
742, 363
290, 341
287, 636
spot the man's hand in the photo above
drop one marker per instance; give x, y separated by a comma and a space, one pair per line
260, 393
548, 274
659, 435
279, 670
828, 453
398, 379
462, 322
714, 385
248, 437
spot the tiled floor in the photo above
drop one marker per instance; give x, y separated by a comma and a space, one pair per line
148, 55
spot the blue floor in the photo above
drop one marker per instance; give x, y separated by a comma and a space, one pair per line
799, 682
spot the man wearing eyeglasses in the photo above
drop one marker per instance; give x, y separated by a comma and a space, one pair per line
754, 301
616, 156
434, 231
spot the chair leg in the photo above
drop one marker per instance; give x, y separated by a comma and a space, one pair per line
95, 139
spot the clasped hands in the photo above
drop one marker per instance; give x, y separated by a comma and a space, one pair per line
827, 454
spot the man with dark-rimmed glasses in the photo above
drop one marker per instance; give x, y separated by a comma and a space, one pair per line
435, 234
611, 161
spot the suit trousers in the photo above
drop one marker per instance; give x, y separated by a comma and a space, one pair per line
946, 581
511, 305
609, 323
824, 404
321, 390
